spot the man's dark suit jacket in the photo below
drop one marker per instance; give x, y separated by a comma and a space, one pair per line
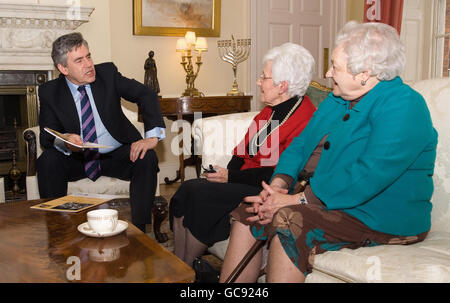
58, 110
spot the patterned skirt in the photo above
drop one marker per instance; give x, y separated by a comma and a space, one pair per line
306, 230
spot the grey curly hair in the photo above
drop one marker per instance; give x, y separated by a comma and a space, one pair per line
372, 46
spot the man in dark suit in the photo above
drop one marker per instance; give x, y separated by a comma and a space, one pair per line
84, 103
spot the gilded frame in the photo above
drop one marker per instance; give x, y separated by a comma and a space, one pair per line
140, 30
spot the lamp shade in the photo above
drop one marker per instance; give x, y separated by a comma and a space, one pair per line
201, 44
181, 45
190, 38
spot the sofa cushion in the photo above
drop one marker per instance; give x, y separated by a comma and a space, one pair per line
215, 137
426, 261
437, 94
317, 94
103, 185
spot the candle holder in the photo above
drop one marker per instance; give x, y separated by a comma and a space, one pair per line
14, 172
185, 45
14, 175
234, 52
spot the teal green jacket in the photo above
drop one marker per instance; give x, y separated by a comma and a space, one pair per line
378, 164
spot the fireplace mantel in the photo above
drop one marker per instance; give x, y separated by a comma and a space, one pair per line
27, 32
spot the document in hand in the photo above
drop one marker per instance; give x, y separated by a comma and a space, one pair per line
66, 139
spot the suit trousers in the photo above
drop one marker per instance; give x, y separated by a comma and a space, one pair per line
55, 170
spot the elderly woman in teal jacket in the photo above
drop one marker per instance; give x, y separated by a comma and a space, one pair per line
367, 157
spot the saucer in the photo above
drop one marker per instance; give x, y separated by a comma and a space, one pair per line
86, 230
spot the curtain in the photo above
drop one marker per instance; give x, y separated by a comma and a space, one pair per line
384, 11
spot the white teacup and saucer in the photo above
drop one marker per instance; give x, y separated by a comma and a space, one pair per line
102, 223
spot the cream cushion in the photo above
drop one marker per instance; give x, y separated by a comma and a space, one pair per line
427, 261
215, 137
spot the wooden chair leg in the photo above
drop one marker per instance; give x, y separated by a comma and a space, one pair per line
245, 260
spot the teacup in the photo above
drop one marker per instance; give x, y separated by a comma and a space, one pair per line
102, 220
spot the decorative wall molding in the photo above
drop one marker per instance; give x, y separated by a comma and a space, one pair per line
27, 32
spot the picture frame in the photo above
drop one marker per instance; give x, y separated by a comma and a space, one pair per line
174, 18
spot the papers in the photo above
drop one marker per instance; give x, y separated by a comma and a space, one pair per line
73, 203
66, 139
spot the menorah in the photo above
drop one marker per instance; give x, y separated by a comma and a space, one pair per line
234, 52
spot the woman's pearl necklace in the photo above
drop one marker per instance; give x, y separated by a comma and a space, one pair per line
255, 137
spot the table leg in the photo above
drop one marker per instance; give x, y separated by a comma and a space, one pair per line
168, 181
192, 160
160, 213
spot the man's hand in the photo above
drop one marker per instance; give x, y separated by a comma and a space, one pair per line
139, 148
75, 139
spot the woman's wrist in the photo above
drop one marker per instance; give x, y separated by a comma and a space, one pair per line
299, 198
302, 198
279, 183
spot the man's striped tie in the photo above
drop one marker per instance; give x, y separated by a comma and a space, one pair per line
92, 165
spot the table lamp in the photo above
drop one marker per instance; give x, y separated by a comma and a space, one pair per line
185, 45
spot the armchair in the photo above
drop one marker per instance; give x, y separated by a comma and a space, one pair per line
427, 261
104, 185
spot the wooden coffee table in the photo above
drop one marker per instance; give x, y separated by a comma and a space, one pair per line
45, 246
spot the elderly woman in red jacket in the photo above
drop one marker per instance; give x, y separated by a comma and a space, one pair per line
200, 209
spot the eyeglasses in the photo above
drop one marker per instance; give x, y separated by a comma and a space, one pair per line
263, 77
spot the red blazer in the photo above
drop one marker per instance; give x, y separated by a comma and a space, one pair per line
268, 154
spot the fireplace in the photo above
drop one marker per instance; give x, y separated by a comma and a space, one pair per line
27, 32
18, 111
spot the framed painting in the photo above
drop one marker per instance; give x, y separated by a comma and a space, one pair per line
175, 17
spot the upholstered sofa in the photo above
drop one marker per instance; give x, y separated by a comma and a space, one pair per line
113, 187
427, 261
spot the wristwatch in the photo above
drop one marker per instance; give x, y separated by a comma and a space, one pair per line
302, 199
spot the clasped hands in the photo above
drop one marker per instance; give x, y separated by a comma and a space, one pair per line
268, 202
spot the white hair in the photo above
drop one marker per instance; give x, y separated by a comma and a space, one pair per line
292, 63
372, 46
